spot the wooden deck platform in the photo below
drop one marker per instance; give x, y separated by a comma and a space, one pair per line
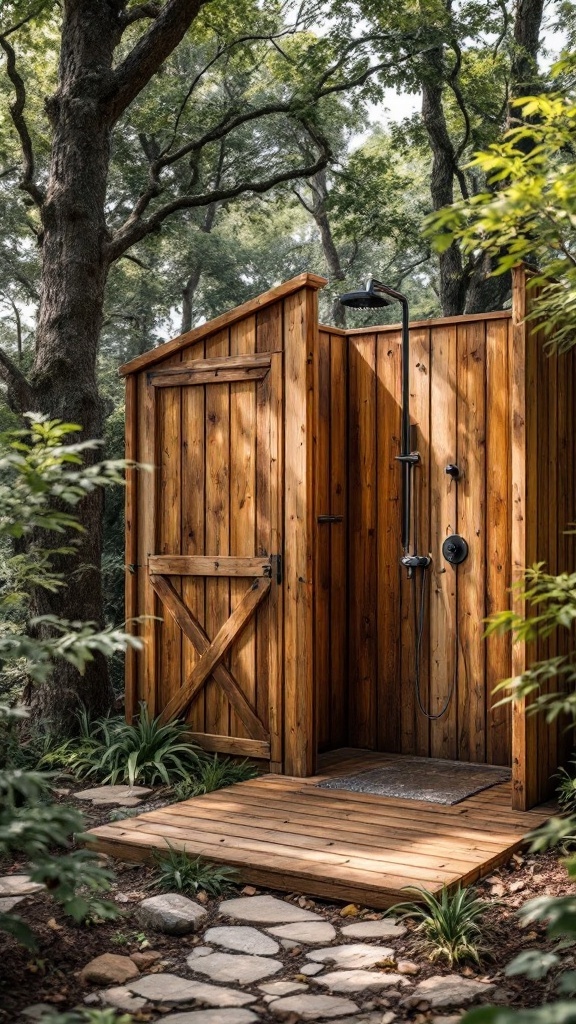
284, 833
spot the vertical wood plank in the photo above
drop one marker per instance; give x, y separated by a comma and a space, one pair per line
471, 522
338, 546
390, 696
147, 485
217, 713
363, 666
269, 503
443, 522
322, 546
498, 520
300, 328
420, 413
243, 507
193, 528
131, 568
169, 526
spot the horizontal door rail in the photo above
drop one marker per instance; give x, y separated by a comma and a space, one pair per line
208, 565
252, 366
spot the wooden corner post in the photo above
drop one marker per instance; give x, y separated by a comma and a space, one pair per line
300, 333
523, 406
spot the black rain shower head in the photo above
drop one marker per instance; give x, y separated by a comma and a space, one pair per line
375, 296
364, 300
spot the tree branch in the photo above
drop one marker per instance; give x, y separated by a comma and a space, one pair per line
27, 183
20, 393
141, 11
134, 232
150, 52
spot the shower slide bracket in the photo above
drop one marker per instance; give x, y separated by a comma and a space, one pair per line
410, 459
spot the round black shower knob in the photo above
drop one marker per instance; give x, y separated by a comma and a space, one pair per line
455, 549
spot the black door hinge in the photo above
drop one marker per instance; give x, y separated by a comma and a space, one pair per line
276, 568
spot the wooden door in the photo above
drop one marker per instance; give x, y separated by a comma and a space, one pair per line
217, 570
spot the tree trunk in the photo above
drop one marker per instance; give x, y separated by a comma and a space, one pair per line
74, 272
191, 286
319, 188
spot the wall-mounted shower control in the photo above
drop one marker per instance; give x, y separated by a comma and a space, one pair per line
455, 549
453, 471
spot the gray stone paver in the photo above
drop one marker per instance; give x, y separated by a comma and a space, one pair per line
7, 903
121, 998
282, 988
235, 967
448, 990
211, 1017
357, 954
242, 939
311, 933
265, 910
169, 988
18, 885
128, 796
312, 1007
311, 969
359, 980
171, 913
387, 928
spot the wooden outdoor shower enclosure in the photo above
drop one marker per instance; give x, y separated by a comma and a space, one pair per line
263, 545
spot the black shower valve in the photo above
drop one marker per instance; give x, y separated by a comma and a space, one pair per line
453, 471
455, 549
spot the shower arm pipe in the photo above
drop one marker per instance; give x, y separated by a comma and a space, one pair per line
407, 457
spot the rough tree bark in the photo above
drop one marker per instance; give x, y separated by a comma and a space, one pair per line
193, 280
317, 209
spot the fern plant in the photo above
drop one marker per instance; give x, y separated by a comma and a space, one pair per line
449, 923
214, 773
181, 873
113, 751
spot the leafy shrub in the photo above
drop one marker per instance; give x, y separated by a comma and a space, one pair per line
212, 773
178, 871
113, 751
449, 924
566, 789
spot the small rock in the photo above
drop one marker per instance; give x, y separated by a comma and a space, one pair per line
121, 897
309, 970
288, 944
265, 910
93, 999
359, 981
169, 988
60, 791
387, 928
309, 932
351, 910
144, 960
355, 955
121, 998
517, 886
200, 951
9, 902
109, 969
448, 990
497, 889
171, 913
202, 897
243, 939
407, 967
388, 1018
248, 890
211, 1017
18, 885
127, 796
37, 1011
282, 988
235, 967
452, 1019
311, 1007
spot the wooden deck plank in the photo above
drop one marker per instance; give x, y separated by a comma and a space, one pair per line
287, 834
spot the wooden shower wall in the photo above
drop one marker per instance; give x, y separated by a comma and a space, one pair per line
459, 394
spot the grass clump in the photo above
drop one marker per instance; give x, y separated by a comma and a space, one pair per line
111, 750
450, 924
212, 773
177, 872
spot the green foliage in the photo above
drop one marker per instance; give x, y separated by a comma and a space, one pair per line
530, 211
449, 923
86, 1017
566, 789
177, 871
113, 751
213, 773
32, 828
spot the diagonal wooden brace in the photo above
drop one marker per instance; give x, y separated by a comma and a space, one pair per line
213, 652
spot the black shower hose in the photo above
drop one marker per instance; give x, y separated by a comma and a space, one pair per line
419, 630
